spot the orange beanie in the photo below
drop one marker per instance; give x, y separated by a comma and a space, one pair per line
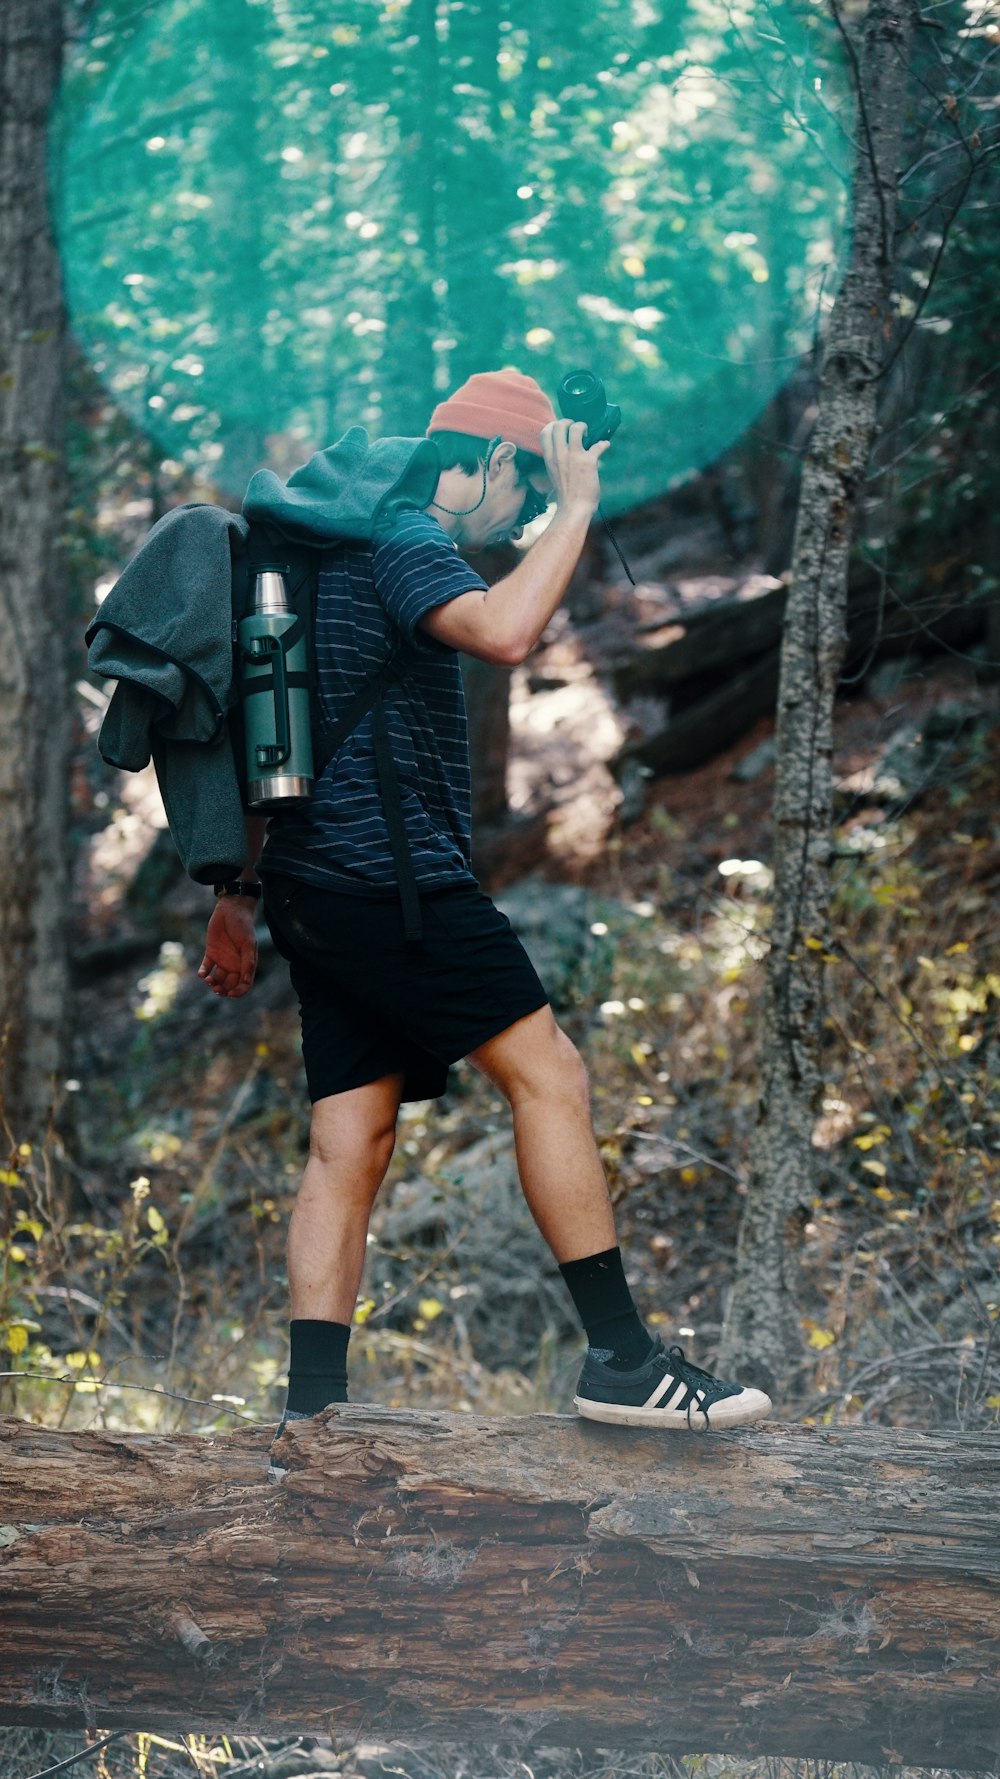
492, 402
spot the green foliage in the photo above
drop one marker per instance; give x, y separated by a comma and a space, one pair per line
279, 220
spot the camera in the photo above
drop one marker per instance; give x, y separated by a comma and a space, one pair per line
581, 397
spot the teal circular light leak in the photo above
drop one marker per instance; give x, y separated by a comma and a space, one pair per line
278, 220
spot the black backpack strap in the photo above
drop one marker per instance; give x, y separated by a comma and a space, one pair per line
330, 736
392, 803
371, 697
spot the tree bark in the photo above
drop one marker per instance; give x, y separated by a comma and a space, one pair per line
761, 1336
540, 1579
34, 693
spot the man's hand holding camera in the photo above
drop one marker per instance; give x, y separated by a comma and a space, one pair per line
573, 470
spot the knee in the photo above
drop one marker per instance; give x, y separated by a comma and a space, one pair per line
559, 1071
354, 1155
577, 1080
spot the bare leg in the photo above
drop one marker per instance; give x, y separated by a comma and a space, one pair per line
541, 1073
350, 1146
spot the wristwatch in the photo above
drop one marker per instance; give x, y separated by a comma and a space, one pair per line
237, 887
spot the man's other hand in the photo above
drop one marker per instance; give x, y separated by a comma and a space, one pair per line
230, 961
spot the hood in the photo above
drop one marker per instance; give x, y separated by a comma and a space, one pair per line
348, 490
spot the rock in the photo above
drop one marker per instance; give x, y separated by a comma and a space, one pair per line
633, 782
554, 923
756, 762
511, 1291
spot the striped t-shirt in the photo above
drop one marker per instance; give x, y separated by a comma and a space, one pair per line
368, 597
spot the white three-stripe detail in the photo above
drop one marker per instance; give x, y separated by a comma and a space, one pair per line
661, 1389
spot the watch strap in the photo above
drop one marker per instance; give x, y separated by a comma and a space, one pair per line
237, 887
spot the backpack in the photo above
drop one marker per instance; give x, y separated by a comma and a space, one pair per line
299, 562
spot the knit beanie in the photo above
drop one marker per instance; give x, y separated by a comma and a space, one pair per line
492, 402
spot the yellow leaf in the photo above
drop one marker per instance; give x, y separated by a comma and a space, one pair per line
429, 1307
154, 1219
643, 1099
869, 1140
30, 1226
263, 1050
17, 1339
363, 1311
689, 1175
821, 1337
75, 1361
875, 1167
954, 950
883, 1193
24, 1149
638, 1055
993, 1401
86, 1386
814, 944
7, 1178
17, 1253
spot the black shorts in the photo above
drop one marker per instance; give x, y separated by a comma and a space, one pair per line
373, 1004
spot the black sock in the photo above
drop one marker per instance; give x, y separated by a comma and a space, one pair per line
317, 1370
604, 1305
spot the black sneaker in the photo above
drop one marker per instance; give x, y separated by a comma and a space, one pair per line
666, 1391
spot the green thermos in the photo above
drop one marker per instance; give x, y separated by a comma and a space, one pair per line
274, 684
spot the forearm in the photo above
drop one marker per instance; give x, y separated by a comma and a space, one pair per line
519, 607
256, 829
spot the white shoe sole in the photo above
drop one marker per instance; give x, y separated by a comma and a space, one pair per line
732, 1411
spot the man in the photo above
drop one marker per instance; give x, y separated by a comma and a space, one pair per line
383, 1018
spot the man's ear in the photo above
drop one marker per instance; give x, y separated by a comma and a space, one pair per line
505, 452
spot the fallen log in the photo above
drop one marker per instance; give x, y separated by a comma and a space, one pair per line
542, 1580
717, 662
703, 729
703, 638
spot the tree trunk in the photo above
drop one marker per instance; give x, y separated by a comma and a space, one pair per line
541, 1578
34, 694
761, 1336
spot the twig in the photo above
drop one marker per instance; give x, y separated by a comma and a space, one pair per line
696, 1154
44, 1377
71, 1761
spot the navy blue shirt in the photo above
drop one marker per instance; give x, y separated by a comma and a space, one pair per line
369, 597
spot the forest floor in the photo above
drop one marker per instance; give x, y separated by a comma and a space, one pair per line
164, 1279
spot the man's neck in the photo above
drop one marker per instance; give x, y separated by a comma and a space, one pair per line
453, 491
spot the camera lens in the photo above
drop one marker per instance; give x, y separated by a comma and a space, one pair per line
582, 397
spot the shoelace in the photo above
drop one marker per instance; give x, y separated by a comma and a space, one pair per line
690, 1374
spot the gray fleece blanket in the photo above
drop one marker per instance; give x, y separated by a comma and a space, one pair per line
164, 632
